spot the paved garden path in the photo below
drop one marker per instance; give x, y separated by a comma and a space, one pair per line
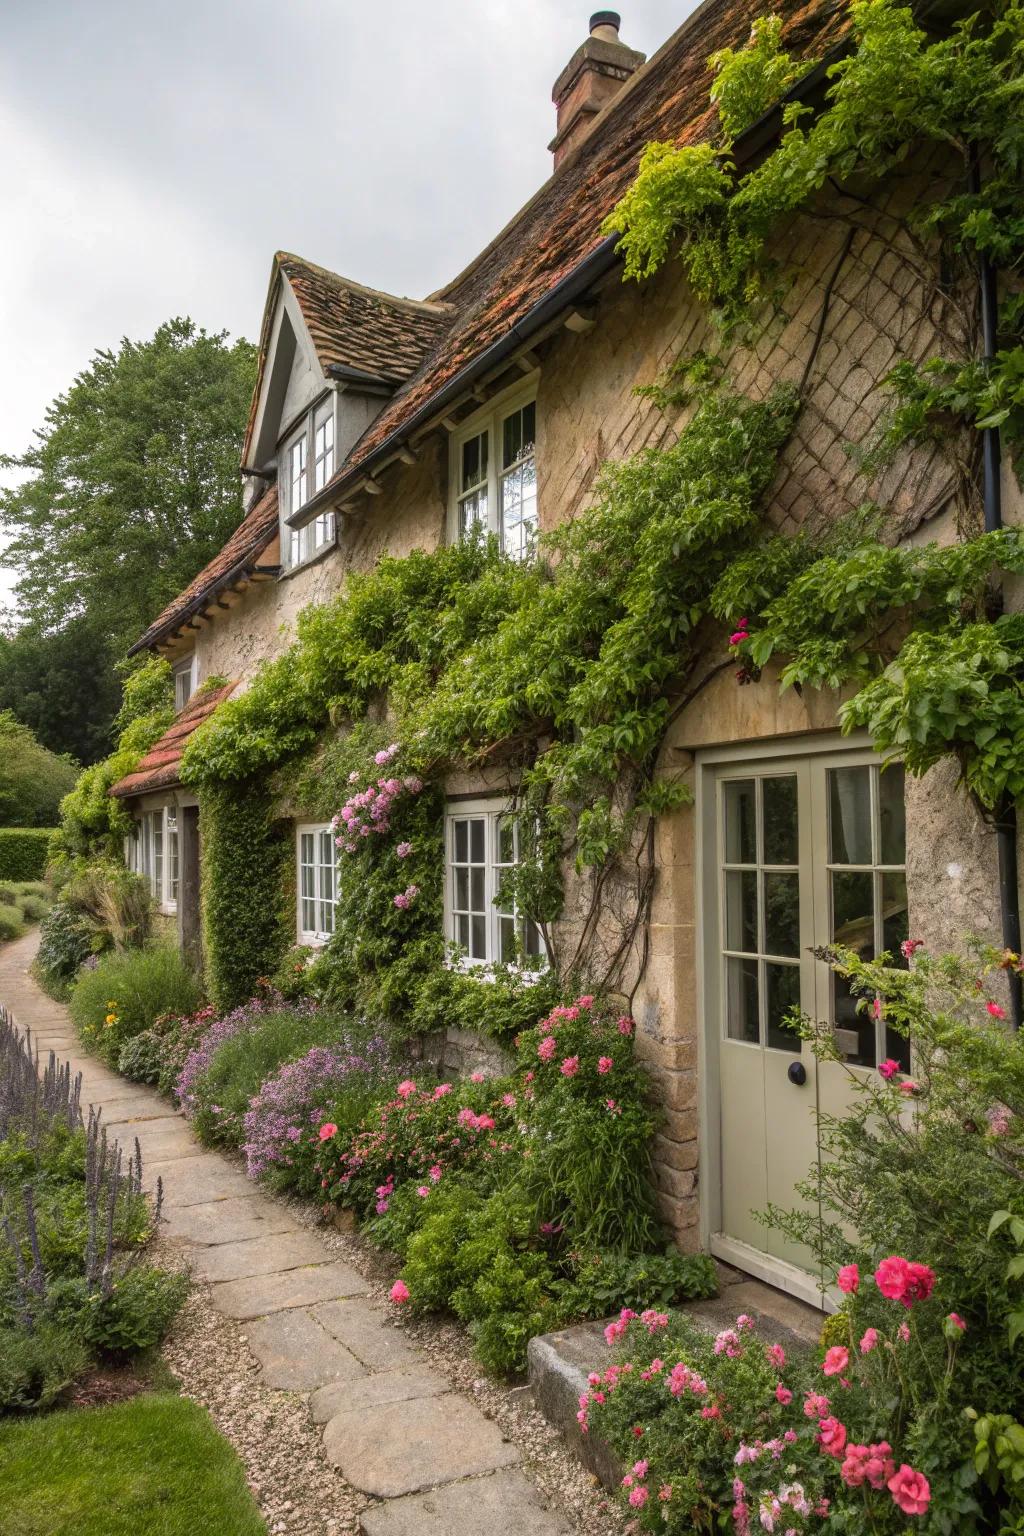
392, 1426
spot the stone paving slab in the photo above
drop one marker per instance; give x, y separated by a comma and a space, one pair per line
297, 1355
161, 1141
372, 1391
294, 1288
359, 1327
504, 1504
228, 1221
260, 1256
197, 1181
406, 1447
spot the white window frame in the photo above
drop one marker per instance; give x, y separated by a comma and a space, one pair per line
186, 677
153, 850
489, 423
492, 812
307, 464
323, 838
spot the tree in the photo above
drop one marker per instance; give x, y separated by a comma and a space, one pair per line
132, 484
32, 781
61, 685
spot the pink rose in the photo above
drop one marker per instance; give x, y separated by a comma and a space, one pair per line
995, 1010
400, 1293
406, 1088
570, 1066
327, 1131
955, 1322
547, 1048
848, 1279
836, 1360
888, 1068
783, 1395
586, 1001
604, 1064
815, 1405
920, 1283
909, 948
476, 1077
892, 1277
832, 1436
776, 1355
869, 1341
910, 1490
625, 1025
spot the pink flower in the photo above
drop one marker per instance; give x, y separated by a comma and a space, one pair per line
892, 1276
995, 1010
920, 1283
848, 1279
476, 1077
640, 1469
434, 1174
867, 1464
570, 1066
738, 637
910, 1490
831, 1436
604, 1064
327, 1131
908, 1087
956, 1322
422, 1191
612, 1108
869, 1341
998, 1118
547, 1048
783, 1395
625, 1025
403, 850
815, 1405
638, 1497
508, 1100
836, 1360
904, 1333
406, 1088
400, 1293
888, 1068
776, 1355
441, 1090
586, 1001
665, 1492
909, 948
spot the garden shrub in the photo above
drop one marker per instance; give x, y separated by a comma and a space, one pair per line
140, 1057
65, 943
32, 908
138, 1311
116, 903
24, 852
36, 1367
126, 992
239, 1052
12, 922
606, 1279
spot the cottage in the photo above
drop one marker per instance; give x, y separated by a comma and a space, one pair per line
382, 424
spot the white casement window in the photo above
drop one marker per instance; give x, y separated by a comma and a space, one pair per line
494, 475
317, 888
184, 681
153, 850
481, 919
308, 467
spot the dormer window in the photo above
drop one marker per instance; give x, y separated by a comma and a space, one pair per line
308, 466
184, 681
494, 475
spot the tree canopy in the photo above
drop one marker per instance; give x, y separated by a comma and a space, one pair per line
129, 488
33, 781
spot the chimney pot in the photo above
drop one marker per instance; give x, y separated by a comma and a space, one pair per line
595, 74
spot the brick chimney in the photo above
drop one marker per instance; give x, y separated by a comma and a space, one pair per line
596, 72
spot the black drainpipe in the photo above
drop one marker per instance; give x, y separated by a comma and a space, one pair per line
1006, 815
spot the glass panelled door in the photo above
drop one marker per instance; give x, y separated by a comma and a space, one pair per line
807, 851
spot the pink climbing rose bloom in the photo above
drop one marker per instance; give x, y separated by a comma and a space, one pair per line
836, 1360
625, 1025
888, 1068
910, 1490
954, 1325
400, 1293
909, 948
892, 1277
783, 1395
848, 1279
327, 1131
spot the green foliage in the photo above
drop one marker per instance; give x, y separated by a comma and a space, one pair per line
499, 1002
140, 457
154, 1464
999, 1461
115, 904
247, 916
60, 684
32, 908
12, 922
24, 852
607, 1280
751, 79
65, 943
93, 823
126, 992
138, 1311
35, 1368
32, 780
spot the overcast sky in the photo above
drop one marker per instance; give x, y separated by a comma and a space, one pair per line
157, 154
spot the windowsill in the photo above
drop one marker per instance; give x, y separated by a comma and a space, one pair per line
314, 940
484, 970
167, 908
295, 570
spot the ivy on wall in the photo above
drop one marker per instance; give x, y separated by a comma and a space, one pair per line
248, 889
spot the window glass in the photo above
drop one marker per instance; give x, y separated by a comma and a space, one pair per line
484, 921
473, 485
307, 882
325, 881
323, 450
850, 815
297, 473
184, 675
317, 856
158, 855
495, 477
173, 864
468, 887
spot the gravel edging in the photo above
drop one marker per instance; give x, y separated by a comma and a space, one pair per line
298, 1491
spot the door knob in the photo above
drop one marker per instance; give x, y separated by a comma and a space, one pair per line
797, 1073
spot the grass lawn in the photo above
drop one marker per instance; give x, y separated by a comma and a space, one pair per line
152, 1466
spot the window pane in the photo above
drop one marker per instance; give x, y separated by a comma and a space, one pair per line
850, 815
518, 511
898, 1047
461, 841
895, 921
477, 847
462, 934
512, 438
853, 912
476, 890
532, 939
507, 840
742, 1001
478, 946
474, 462
778, 799
782, 984
741, 910
506, 939
740, 822
462, 890
782, 914
861, 1024
473, 512
893, 816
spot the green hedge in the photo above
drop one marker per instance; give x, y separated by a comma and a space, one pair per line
24, 852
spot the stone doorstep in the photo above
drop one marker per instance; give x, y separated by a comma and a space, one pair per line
559, 1363
502, 1504
297, 1355
407, 1447
372, 1391
262, 1294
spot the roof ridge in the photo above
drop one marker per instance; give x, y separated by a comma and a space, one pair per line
430, 306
